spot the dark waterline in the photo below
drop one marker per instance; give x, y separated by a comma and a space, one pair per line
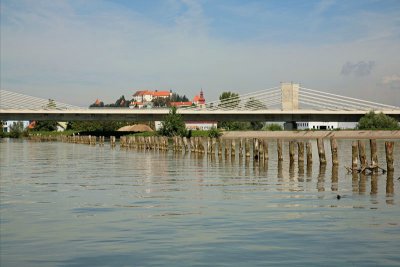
77, 205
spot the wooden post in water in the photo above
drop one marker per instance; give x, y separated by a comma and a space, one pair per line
389, 146
112, 139
354, 155
185, 144
334, 151
374, 154
261, 151
279, 148
209, 148
247, 147
233, 148
191, 143
300, 153
309, 153
202, 150
213, 145
389, 185
265, 143
197, 144
256, 149
291, 150
241, 148
219, 147
227, 145
363, 156
321, 151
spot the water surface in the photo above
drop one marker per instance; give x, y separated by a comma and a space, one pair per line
77, 205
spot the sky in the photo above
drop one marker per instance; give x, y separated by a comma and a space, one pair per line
76, 51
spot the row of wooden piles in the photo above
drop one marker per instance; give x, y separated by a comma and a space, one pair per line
244, 147
258, 149
84, 139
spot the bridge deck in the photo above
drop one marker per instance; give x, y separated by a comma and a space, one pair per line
188, 115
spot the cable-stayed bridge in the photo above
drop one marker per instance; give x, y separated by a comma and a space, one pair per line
288, 102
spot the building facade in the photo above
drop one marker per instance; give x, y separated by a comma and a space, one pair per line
323, 125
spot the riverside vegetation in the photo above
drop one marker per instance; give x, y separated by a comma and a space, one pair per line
175, 126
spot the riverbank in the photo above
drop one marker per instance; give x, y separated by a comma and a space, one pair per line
353, 134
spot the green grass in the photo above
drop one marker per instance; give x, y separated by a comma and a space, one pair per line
51, 133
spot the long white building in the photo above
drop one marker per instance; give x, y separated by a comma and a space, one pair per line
323, 125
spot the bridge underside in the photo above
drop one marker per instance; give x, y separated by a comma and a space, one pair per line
129, 115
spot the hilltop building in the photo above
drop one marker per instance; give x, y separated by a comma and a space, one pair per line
147, 96
143, 98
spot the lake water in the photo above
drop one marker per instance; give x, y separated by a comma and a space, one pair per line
77, 205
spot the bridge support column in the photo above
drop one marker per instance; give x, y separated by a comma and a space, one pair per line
290, 101
290, 96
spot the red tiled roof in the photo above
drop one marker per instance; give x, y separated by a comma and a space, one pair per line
161, 93
153, 93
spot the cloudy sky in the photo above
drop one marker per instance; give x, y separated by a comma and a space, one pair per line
75, 51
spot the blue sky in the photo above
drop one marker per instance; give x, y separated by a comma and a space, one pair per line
76, 51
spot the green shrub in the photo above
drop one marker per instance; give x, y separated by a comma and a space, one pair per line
380, 121
273, 127
173, 124
214, 133
17, 130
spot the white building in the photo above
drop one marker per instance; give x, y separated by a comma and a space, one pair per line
148, 96
192, 125
7, 125
323, 125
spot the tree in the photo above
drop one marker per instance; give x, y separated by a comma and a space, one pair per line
51, 104
16, 129
274, 127
173, 124
97, 104
122, 102
161, 102
46, 126
254, 104
229, 100
380, 121
177, 98
96, 126
214, 133
234, 125
256, 125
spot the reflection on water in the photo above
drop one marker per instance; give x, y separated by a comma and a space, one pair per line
76, 205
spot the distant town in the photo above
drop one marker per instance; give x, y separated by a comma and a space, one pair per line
154, 99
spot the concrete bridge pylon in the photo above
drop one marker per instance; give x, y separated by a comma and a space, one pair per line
290, 95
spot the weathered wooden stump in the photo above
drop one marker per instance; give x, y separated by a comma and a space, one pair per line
389, 146
334, 151
321, 151
279, 148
